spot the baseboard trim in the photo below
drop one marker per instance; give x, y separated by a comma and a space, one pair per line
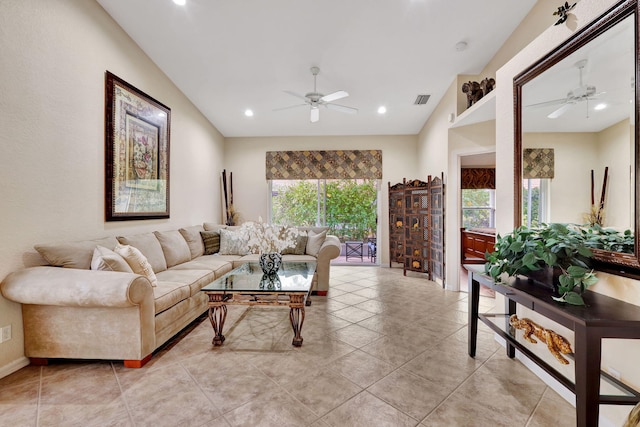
14, 366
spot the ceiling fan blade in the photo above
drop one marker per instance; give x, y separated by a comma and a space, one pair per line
289, 107
342, 108
547, 103
315, 114
297, 95
334, 96
560, 111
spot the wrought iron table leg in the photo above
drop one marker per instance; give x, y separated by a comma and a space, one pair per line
217, 316
296, 315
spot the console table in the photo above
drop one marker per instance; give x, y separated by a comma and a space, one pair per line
605, 317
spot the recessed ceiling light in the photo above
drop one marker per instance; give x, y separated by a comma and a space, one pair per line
599, 107
248, 113
180, 2
382, 109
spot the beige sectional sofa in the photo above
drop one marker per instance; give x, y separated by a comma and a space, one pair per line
74, 312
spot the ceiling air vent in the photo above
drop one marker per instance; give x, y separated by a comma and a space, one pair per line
421, 99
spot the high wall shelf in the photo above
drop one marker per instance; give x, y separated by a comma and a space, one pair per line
482, 111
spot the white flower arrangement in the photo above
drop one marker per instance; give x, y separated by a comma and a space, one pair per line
267, 238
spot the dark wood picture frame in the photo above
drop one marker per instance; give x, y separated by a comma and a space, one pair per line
137, 131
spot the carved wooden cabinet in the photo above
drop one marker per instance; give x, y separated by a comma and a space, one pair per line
396, 224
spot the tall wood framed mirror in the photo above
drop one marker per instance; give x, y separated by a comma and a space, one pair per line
575, 115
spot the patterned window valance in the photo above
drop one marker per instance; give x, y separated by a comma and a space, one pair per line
339, 164
478, 178
537, 163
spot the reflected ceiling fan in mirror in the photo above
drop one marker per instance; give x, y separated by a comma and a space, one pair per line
582, 93
315, 100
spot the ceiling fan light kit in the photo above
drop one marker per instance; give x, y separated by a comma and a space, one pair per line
315, 100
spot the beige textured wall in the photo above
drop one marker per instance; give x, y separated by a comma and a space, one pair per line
245, 157
54, 56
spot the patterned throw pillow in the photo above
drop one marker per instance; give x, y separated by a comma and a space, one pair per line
233, 243
300, 246
105, 259
137, 262
211, 240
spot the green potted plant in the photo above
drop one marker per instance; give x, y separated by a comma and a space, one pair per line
559, 251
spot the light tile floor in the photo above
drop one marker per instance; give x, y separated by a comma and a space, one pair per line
381, 350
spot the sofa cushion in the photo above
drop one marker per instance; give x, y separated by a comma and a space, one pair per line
300, 246
193, 279
168, 294
314, 242
233, 243
73, 254
211, 240
107, 260
175, 248
148, 244
212, 226
214, 263
137, 261
194, 239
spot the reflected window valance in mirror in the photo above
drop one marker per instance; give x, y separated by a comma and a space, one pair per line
580, 101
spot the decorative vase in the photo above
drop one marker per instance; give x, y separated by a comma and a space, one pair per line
270, 281
270, 262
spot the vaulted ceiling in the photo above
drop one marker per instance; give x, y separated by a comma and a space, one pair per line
230, 56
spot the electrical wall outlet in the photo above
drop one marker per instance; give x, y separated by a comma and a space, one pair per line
6, 333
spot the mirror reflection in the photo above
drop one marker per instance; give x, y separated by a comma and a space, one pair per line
578, 127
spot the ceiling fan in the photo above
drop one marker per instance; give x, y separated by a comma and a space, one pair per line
581, 93
316, 100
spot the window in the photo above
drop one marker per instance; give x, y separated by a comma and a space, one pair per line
347, 206
535, 196
478, 208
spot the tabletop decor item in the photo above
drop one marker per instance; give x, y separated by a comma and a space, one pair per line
270, 241
556, 255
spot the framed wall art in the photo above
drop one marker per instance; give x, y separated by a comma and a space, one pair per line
137, 129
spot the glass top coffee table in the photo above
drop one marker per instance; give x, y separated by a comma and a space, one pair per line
248, 285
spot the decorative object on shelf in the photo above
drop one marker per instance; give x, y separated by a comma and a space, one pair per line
596, 214
563, 12
557, 344
270, 281
137, 130
473, 92
526, 250
270, 262
487, 85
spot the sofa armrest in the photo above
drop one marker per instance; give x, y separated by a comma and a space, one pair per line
330, 249
75, 287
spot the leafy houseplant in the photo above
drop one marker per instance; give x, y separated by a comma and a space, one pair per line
556, 246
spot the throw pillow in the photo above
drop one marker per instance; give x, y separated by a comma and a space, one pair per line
174, 246
300, 246
211, 240
314, 242
194, 240
107, 260
137, 262
233, 243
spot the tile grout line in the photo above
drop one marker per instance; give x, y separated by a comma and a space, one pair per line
535, 408
126, 404
39, 395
